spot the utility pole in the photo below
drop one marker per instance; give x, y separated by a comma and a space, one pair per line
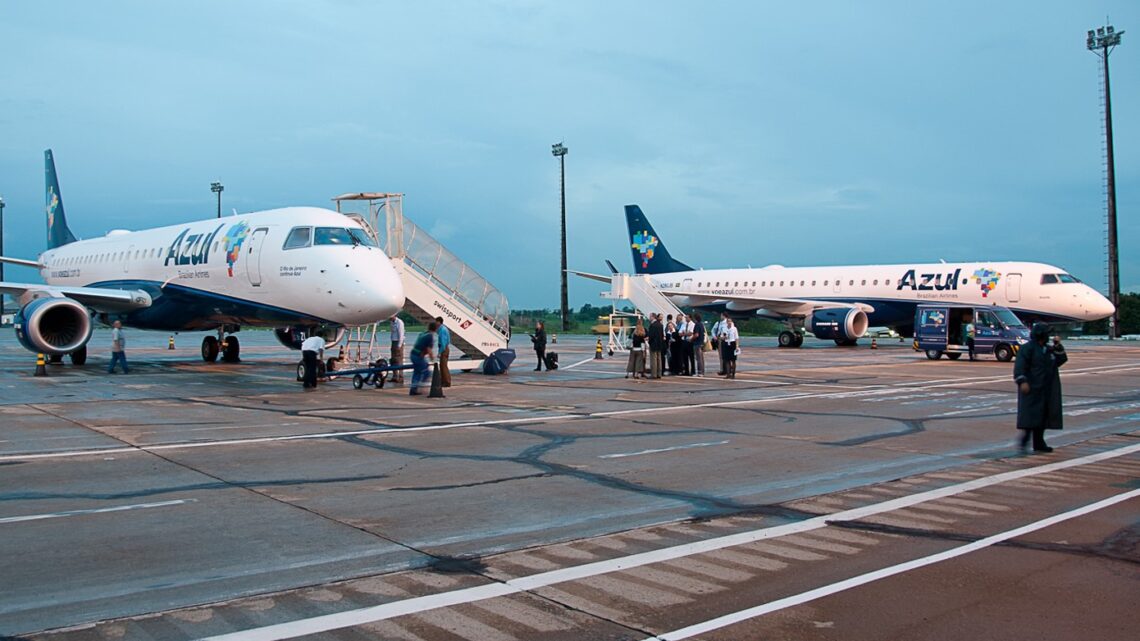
217, 188
1, 248
559, 152
1101, 41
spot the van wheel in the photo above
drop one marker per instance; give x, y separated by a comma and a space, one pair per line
1004, 353
953, 355
934, 354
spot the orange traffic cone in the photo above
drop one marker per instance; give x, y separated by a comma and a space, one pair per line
436, 382
598, 351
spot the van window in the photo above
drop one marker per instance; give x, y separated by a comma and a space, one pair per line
932, 318
987, 318
1008, 318
299, 237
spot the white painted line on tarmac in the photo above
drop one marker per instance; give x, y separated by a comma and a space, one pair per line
875, 391
329, 622
663, 449
120, 508
854, 582
581, 362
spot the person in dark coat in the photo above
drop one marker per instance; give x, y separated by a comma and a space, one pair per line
656, 336
1039, 387
539, 340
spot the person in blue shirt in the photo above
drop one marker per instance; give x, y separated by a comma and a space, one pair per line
443, 336
422, 354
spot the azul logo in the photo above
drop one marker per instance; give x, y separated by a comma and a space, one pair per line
987, 279
233, 241
53, 204
929, 282
191, 249
644, 243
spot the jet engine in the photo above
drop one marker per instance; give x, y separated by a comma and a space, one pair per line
292, 337
53, 326
843, 325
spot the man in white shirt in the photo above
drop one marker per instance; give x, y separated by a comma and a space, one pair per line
312, 350
397, 336
717, 337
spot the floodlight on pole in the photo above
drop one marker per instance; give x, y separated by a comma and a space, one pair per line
559, 152
218, 188
1101, 41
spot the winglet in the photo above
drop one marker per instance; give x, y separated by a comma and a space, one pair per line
58, 233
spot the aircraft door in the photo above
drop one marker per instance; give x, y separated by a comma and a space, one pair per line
1013, 288
253, 256
687, 285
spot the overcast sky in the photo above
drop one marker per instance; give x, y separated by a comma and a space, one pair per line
750, 133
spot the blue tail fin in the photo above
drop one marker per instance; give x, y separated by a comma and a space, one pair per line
649, 253
57, 232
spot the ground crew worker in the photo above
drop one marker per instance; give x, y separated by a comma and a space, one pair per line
443, 337
312, 351
422, 354
397, 336
118, 348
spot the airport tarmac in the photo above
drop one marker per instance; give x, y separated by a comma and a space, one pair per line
825, 493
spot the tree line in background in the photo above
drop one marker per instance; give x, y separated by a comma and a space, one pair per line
583, 320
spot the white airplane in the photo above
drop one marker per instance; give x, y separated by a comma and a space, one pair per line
301, 270
840, 303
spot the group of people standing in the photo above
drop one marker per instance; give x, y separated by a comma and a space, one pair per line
677, 346
432, 345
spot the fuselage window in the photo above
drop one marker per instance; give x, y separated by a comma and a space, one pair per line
801, 283
813, 283
887, 282
876, 282
965, 281
1048, 279
781, 283
299, 237
864, 282
851, 283
825, 283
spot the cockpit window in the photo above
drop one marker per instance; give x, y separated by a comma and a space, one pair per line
333, 236
299, 237
361, 237
1048, 279
1067, 278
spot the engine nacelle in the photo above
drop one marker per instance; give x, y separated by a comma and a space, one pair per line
53, 326
839, 324
292, 337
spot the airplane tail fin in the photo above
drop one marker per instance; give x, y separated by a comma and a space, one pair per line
58, 233
649, 253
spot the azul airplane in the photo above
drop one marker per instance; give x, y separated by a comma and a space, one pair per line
839, 303
301, 270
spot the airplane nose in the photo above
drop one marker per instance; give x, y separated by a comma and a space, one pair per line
1098, 306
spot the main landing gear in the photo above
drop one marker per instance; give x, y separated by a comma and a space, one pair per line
228, 346
789, 338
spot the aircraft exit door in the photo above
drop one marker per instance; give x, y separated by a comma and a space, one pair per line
1013, 288
253, 256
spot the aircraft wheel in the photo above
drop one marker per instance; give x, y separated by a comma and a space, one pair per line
934, 354
953, 355
79, 356
55, 358
799, 340
357, 381
1004, 353
787, 339
845, 342
231, 350
301, 371
210, 349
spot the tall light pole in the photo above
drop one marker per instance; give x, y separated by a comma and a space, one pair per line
217, 188
1, 248
1101, 41
559, 152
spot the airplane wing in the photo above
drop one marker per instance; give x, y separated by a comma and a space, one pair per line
597, 277
780, 306
100, 299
